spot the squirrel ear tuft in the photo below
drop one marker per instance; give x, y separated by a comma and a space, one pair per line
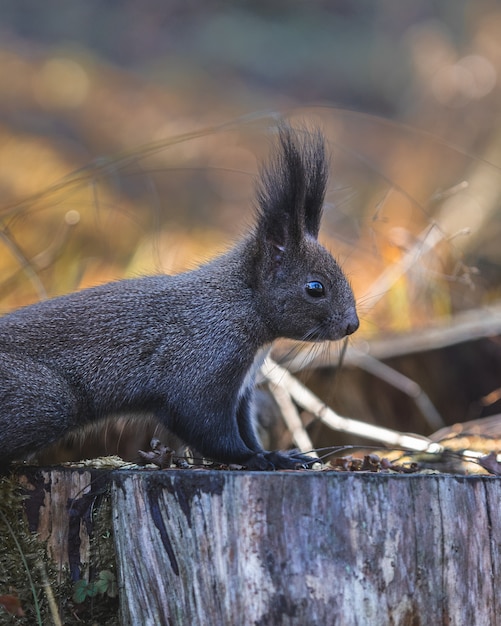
316, 165
292, 188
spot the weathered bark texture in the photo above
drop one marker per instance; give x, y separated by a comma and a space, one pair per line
59, 509
297, 548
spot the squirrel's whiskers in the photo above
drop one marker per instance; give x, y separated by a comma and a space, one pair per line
184, 348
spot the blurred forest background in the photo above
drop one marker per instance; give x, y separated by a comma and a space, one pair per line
131, 134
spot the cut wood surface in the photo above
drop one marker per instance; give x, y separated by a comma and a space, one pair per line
296, 548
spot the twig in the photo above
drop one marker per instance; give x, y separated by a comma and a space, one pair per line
399, 381
292, 419
49, 594
23, 261
426, 241
309, 401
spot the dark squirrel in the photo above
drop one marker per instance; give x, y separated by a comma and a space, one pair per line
185, 348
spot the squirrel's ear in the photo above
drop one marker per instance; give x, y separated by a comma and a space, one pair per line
292, 188
316, 166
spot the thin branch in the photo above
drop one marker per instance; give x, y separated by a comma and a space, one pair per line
23, 261
310, 402
292, 419
426, 241
398, 381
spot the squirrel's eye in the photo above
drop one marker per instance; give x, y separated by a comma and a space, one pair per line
315, 289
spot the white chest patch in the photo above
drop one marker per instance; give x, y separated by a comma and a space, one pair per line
250, 376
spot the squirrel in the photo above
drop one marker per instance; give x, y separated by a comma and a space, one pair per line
185, 348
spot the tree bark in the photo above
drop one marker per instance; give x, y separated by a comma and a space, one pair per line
296, 548
59, 509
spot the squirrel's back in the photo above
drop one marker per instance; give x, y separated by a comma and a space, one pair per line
184, 347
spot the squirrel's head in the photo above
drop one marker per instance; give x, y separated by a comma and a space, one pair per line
302, 291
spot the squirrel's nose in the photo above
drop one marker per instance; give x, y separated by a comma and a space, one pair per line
352, 321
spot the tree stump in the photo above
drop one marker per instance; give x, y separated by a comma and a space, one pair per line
295, 548
59, 509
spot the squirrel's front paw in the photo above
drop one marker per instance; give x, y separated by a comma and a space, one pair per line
259, 462
280, 460
290, 460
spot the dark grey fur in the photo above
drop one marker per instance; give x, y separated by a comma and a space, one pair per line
183, 347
